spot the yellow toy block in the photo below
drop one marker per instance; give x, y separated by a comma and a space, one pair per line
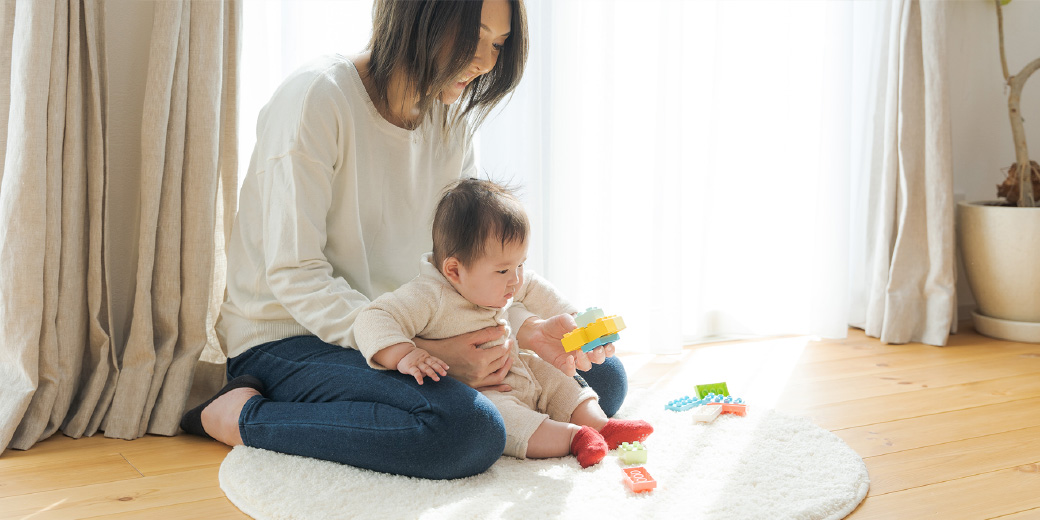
614, 324
581, 336
604, 326
596, 329
574, 339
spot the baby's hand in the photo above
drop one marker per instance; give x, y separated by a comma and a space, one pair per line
419, 363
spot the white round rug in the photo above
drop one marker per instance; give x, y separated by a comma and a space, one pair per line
766, 465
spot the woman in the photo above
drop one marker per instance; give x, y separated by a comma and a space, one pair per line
350, 158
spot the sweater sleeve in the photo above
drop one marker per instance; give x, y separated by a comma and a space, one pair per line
296, 196
394, 318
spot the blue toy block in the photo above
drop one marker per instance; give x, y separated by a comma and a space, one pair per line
599, 342
682, 404
721, 399
686, 402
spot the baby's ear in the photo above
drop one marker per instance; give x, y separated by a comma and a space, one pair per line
450, 269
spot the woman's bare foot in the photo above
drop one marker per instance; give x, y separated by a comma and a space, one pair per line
220, 418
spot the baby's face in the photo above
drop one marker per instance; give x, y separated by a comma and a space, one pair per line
493, 280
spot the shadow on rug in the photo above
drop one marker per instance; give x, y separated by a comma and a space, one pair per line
766, 465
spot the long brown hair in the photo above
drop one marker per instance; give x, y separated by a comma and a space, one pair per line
433, 42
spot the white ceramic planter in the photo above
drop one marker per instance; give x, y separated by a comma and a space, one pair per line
1000, 248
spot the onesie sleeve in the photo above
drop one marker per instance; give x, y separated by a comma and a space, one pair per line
537, 297
395, 317
296, 196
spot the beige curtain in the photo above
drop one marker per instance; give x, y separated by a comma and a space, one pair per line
911, 277
58, 365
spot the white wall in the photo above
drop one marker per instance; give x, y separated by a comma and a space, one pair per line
982, 144
128, 30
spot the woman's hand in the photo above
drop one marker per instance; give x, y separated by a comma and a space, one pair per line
544, 337
480, 368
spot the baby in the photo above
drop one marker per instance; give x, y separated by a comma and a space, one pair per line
473, 275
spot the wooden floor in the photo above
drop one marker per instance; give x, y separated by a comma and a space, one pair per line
945, 433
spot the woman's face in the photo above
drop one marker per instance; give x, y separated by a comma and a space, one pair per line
495, 19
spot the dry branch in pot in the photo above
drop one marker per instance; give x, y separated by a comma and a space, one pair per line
1009, 189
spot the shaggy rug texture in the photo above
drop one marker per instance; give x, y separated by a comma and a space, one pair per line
766, 465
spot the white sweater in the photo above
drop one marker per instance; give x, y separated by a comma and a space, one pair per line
335, 208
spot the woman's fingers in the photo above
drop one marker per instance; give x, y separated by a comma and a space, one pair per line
597, 356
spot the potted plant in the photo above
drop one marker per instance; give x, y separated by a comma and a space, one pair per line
1000, 240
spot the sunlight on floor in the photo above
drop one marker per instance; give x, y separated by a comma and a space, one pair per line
44, 510
756, 371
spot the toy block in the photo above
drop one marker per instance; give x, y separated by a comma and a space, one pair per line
633, 453
720, 399
604, 327
717, 388
682, 404
599, 342
590, 315
733, 408
706, 413
596, 329
574, 340
613, 324
638, 480
593, 331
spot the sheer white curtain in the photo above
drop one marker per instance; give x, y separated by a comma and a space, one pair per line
688, 165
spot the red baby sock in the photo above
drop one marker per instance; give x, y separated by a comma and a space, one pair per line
588, 446
618, 430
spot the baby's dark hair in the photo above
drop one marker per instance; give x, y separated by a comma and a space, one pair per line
471, 213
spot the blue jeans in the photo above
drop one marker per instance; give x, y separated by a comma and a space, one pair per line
324, 401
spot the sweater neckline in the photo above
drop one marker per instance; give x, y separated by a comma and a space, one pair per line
373, 112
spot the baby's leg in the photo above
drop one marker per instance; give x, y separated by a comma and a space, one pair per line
556, 439
551, 439
589, 413
614, 431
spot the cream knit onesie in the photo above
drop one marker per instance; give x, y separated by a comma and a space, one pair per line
429, 307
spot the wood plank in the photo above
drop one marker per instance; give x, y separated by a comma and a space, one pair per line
815, 393
184, 452
1029, 514
861, 412
953, 460
981, 496
929, 430
151, 455
906, 359
115, 497
212, 509
75, 470
57, 443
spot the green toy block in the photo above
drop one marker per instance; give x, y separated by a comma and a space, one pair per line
714, 388
632, 453
590, 315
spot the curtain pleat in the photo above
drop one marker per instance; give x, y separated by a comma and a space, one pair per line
59, 368
96, 357
912, 281
181, 135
